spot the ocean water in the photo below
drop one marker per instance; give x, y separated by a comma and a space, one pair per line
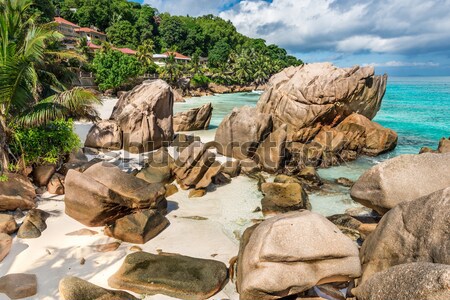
417, 108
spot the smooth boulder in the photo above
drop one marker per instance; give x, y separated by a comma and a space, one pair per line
18, 286
240, 133
33, 225
194, 119
73, 288
413, 231
290, 253
145, 116
16, 192
172, 275
105, 134
410, 281
400, 179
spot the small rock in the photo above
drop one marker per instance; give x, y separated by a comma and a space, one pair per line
222, 179
17, 286
8, 224
82, 261
107, 247
56, 184
283, 197
135, 248
171, 189
232, 168
197, 218
5, 245
33, 225
43, 174
18, 214
82, 232
197, 193
344, 181
73, 288
310, 176
258, 209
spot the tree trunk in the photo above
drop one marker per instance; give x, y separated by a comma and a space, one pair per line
4, 160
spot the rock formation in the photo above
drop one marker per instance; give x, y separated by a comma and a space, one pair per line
290, 253
193, 119
105, 134
400, 179
16, 192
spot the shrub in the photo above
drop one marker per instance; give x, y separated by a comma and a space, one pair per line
47, 144
200, 81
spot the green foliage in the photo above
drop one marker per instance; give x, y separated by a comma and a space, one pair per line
200, 81
123, 34
46, 144
113, 68
219, 54
3, 178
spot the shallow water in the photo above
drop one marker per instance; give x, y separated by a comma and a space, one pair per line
417, 108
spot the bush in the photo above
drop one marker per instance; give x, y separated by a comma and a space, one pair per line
200, 81
47, 144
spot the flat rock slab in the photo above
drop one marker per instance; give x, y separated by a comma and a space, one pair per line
175, 275
107, 247
82, 232
73, 288
17, 286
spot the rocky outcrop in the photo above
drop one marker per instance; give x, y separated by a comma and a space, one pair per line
73, 288
5, 245
18, 286
413, 231
241, 132
321, 93
56, 184
105, 134
396, 180
424, 281
290, 253
158, 167
145, 116
193, 119
42, 174
444, 145
103, 194
33, 225
146, 273
271, 152
16, 192
139, 227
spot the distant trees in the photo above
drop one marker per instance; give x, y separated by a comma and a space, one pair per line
123, 34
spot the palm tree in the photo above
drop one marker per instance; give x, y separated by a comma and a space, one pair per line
31, 92
171, 71
83, 48
145, 53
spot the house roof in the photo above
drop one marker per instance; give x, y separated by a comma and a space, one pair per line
93, 46
87, 29
126, 50
64, 21
178, 55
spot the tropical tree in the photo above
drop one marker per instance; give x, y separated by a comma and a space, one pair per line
171, 72
83, 48
31, 94
144, 55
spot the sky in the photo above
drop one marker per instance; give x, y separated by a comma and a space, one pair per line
399, 37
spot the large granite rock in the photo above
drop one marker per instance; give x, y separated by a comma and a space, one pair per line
194, 119
413, 231
103, 194
240, 132
271, 152
139, 227
411, 281
290, 253
321, 93
173, 275
105, 134
400, 179
16, 192
73, 288
145, 116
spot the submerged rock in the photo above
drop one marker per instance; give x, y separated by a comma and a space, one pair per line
290, 253
421, 225
145, 116
73, 288
394, 181
424, 281
147, 273
193, 119
16, 192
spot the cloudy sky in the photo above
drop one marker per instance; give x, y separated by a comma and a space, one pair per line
401, 37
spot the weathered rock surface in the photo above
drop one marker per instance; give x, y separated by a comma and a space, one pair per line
5, 245
158, 168
396, 180
232, 168
42, 174
145, 116
194, 119
8, 224
105, 134
413, 231
181, 141
291, 253
56, 184
73, 288
16, 192
139, 227
424, 281
240, 132
147, 273
444, 145
103, 194
18, 286
33, 225
321, 93
283, 195
271, 152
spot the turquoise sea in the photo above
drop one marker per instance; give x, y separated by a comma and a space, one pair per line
417, 108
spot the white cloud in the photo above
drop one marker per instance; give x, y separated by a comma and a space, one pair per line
395, 63
382, 26
189, 7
